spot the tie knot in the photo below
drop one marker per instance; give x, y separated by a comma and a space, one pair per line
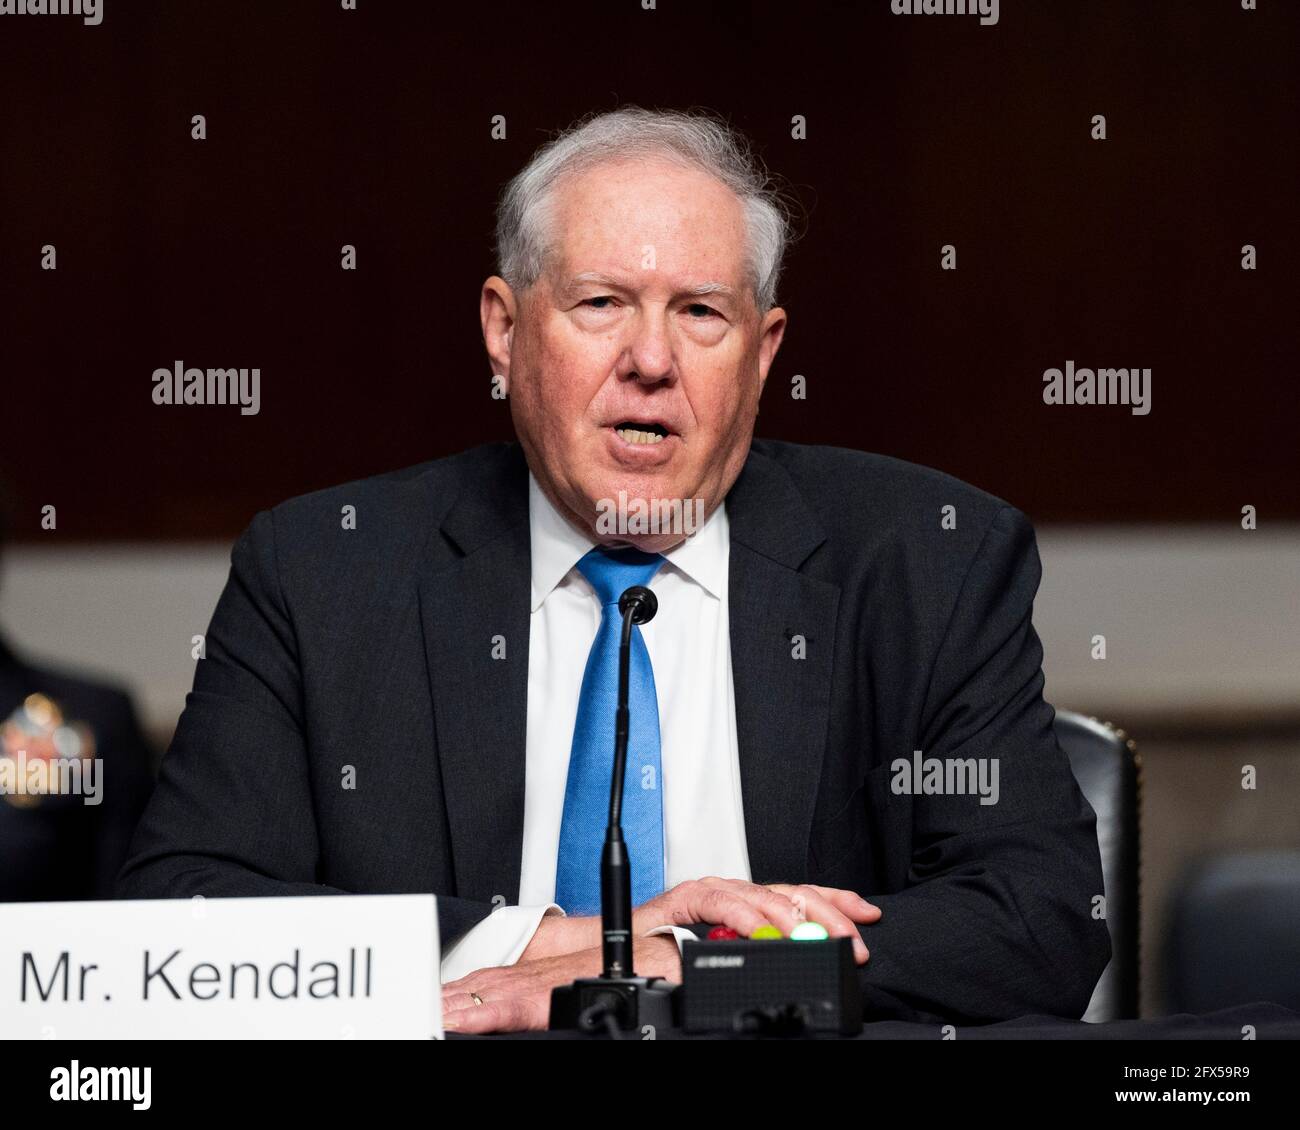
612, 571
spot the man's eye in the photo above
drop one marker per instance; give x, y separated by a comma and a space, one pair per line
599, 298
699, 310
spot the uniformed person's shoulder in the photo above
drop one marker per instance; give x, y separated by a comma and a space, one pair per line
81, 694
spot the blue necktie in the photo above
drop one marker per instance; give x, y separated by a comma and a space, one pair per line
591, 761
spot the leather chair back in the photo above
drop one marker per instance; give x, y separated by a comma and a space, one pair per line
1234, 937
1109, 771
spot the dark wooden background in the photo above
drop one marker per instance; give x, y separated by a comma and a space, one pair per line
328, 127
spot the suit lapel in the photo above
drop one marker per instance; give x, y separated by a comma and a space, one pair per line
782, 703
469, 609
481, 703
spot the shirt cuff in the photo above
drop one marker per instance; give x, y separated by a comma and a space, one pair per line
499, 939
680, 934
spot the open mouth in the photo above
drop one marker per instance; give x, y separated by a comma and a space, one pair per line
633, 432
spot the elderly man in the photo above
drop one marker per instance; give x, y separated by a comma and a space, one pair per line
418, 698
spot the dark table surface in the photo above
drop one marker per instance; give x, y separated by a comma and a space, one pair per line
1264, 1021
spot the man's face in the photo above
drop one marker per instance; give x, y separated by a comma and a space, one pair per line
642, 324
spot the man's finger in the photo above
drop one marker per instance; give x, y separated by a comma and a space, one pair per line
461, 999
838, 925
511, 1014
477, 1018
723, 908
850, 902
775, 905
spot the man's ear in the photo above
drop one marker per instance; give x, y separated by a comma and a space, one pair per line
497, 311
771, 331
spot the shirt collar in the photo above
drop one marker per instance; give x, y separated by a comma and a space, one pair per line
557, 546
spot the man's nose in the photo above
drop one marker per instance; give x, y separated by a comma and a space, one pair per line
648, 356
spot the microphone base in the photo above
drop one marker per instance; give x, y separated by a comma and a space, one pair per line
634, 1002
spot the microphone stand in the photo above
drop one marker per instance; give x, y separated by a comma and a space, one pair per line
618, 999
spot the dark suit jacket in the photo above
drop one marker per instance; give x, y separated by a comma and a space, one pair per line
62, 848
370, 650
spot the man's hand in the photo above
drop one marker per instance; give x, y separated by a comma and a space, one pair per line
746, 906
721, 902
518, 997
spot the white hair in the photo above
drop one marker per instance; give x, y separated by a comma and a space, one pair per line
695, 139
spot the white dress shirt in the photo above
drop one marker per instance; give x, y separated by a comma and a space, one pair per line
689, 643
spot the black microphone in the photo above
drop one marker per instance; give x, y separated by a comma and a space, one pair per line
638, 606
618, 999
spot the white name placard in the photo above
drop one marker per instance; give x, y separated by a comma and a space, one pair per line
328, 967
